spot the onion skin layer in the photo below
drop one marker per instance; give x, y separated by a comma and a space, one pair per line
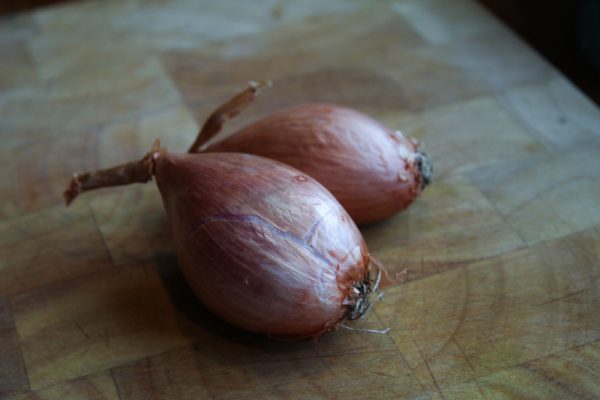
371, 170
262, 245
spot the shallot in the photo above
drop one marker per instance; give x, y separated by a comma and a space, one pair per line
373, 171
263, 245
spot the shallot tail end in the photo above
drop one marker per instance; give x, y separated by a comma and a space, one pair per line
361, 301
232, 107
139, 171
425, 167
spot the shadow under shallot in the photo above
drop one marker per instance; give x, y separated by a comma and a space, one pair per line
196, 315
224, 343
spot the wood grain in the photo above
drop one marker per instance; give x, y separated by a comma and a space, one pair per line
41, 245
181, 375
501, 253
96, 322
13, 376
99, 386
468, 322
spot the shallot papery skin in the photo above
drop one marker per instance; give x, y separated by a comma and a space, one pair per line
263, 245
373, 171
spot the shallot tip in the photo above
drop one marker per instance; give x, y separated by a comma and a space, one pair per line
238, 103
73, 189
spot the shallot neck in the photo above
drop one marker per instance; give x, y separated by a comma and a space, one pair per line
140, 171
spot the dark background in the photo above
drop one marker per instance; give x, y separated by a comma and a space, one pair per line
567, 33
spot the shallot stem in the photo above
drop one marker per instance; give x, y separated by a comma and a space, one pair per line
214, 123
139, 171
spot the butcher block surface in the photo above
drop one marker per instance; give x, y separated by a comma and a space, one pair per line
501, 292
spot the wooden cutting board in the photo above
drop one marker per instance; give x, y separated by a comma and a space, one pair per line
502, 295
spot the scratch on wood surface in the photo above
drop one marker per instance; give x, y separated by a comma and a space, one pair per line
461, 320
566, 296
86, 350
463, 354
504, 219
441, 293
104, 243
552, 186
331, 371
480, 390
114, 382
82, 330
550, 379
14, 375
398, 351
435, 382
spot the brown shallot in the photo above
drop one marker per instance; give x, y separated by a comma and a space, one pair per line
373, 171
263, 245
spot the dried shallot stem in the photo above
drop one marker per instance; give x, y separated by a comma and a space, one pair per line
234, 106
139, 171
